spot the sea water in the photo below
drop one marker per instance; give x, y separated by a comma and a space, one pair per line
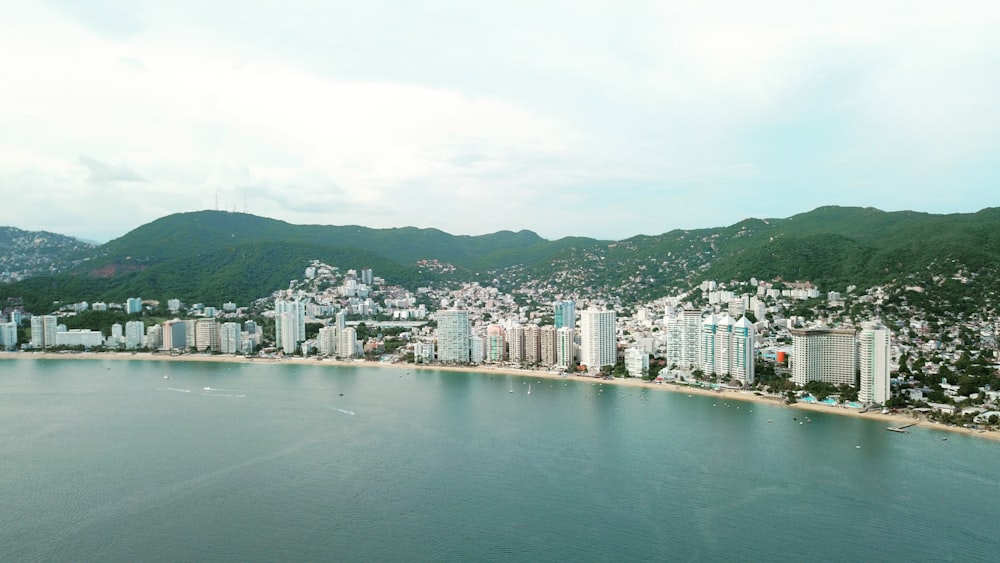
106, 460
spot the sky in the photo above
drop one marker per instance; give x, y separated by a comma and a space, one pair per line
602, 119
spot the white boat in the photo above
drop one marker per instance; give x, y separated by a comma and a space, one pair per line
529, 388
511, 386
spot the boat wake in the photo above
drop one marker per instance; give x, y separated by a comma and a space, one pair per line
174, 389
352, 413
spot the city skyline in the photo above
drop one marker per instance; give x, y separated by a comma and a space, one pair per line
391, 115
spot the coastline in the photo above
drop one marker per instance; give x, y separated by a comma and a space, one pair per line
893, 419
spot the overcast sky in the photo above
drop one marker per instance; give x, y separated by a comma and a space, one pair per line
603, 119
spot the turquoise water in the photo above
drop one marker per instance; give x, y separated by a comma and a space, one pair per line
107, 460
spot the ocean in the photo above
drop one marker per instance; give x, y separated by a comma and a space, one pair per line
108, 460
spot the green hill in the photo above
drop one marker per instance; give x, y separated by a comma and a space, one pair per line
215, 256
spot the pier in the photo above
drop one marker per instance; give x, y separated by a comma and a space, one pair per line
902, 429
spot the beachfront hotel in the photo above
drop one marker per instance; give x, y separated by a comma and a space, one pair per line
727, 347
598, 345
453, 334
873, 364
824, 354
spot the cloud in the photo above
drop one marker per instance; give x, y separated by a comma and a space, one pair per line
104, 172
480, 117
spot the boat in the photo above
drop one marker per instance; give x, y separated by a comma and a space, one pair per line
511, 386
529, 388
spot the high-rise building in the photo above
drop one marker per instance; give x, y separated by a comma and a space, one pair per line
43, 331
873, 364
289, 325
327, 340
741, 361
495, 344
565, 314
154, 337
516, 344
706, 344
8, 336
821, 354
565, 346
636, 361
175, 335
477, 349
347, 346
727, 347
547, 345
133, 305
532, 344
135, 335
207, 336
229, 338
598, 345
453, 333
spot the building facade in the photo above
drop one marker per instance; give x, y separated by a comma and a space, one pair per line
820, 354
598, 345
453, 333
873, 365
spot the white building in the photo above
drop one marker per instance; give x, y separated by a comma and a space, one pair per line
828, 355
347, 345
135, 335
423, 352
453, 336
8, 336
80, 337
681, 336
230, 338
289, 324
873, 364
598, 345
636, 361
727, 347
43, 331
565, 347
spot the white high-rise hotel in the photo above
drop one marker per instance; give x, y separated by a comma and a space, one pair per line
598, 345
873, 364
828, 355
453, 333
727, 347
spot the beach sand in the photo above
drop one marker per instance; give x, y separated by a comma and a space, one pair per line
891, 419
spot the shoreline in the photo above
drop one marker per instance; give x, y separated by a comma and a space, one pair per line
894, 419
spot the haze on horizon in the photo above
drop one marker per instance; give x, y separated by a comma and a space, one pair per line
589, 119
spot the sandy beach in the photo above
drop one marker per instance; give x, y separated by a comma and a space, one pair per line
896, 419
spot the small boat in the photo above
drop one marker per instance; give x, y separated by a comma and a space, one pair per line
166, 377
529, 388
511, 387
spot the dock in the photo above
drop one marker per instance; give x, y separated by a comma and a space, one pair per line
902, 429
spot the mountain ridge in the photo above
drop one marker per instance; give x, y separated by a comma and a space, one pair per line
831, 246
